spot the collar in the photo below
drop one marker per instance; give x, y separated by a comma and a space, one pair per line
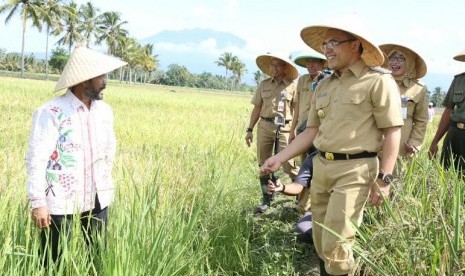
74, 101
284, 80
356, 69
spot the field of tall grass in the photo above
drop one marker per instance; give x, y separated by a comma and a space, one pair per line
186, 185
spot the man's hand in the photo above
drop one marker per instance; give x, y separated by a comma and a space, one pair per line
433, 150
272, 187
379, 191
271, 164
410, 149
41, 217
249, 138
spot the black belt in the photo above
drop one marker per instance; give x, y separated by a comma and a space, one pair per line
343, 156
457, 125
272, 119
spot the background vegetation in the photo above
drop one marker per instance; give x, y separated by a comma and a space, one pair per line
186, 186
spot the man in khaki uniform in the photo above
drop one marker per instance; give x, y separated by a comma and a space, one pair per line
273, 104
452, 122
407, 67
314, 63
350, 113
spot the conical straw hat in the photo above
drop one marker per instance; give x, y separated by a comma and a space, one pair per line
420, 64
300, 59
264, 61
314, 37
85, 64
460, 56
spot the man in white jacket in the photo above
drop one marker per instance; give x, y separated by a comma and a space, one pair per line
71, 150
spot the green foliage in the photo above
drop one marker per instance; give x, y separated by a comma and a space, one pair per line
59, 59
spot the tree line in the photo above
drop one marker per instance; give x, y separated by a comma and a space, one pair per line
86, 25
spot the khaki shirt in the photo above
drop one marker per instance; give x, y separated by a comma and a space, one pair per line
303, 98
455, 99
268, 95
352, 110
415, 114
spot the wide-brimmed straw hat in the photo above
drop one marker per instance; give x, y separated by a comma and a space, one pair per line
314, 36
420, 64
300, 59
85, 64
264, 61
460, 56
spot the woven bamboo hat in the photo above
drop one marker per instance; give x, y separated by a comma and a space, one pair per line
460, 56
85, 64
314, 37
420, 64
300, 59
264, 61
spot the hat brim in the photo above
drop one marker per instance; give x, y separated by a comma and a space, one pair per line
264, 61
420, 64
460, 56
314, 36
301, 60
85, 64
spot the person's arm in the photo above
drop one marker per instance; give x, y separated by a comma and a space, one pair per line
292, 189
390, 151
443, 126
254, 116
295, 119
42, 142
420, 121
301, 143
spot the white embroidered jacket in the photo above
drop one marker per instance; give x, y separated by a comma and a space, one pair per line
70, 155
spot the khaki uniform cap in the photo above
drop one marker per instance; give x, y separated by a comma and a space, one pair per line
264, 61
85, 64
314, 37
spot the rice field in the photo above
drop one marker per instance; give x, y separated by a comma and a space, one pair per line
186, 186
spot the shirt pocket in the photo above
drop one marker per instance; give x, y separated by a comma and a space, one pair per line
322, 106
352, 105
458, 97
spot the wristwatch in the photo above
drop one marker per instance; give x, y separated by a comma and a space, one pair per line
386, 177
249, 129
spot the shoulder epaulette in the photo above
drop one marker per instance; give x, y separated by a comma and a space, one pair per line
381, 70
459, 74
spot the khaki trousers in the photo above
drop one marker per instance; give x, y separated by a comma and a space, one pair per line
339, 192
266, 133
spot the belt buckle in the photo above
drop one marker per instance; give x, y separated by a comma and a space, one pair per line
461, 125
329, 155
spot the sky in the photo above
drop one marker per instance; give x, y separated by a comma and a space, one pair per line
434, 29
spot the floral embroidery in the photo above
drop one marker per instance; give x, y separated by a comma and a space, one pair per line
60, 158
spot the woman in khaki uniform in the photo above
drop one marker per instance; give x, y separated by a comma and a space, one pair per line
407, 67
273, 108
351, 111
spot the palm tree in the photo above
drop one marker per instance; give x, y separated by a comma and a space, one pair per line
52, 12
89, 19
258, 76
28, 9
238, 68
225, 60
69, 27
111, 31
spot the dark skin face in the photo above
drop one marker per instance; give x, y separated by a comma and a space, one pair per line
95, 87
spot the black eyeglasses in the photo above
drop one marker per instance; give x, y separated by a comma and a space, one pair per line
333, 43
398, 58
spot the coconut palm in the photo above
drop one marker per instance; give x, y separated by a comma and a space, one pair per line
69, 26
28, 9
238, 68
52, 11
90, 19
225, 60
111, 31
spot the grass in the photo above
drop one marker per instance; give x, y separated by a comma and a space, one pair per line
186, 186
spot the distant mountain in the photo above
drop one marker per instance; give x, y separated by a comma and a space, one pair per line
196, 35
198, 49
